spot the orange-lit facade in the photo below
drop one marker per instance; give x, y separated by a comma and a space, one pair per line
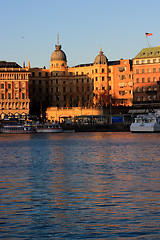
14, 89
146, 72
104, 83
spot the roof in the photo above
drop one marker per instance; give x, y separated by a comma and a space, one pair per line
4, 64
101, 58
150, 52
58, 54
84, 65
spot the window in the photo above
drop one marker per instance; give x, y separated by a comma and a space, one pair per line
137, 62
23, 85
154, 60
149, 79
64, 89
143, 89
143, 61
96, 78
2, 85
154, 79
143, 80
2, 95
39, 74
137, 80
148, 61
142, 70
23, 95
71, 81
56, 81
154, 69
137, 70
82, 80
40, 81
121, 69
102, 78
9, 95
102, 70
95, 70
137, 89
143, 98
154, 97
16, 95
103, 88
148, 70
154, 88
9, 86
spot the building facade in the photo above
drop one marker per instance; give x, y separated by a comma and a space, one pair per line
102, 83
146, 72
14, 89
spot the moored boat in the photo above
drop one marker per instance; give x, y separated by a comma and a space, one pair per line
16, 129
146, 123
48, 128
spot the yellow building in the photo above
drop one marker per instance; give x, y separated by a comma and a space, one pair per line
84, 85
14, 90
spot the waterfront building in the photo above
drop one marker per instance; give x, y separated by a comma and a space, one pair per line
101, 83
57, 86
14, 89
146, 72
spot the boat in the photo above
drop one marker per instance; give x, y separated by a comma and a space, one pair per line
48, 128
18, 128
146, 123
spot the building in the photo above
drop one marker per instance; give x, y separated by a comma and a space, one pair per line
58, 86
102, 83
14, 89
146, 72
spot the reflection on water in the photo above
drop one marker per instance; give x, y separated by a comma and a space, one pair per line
80, 186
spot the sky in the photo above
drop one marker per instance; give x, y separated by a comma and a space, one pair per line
29, 29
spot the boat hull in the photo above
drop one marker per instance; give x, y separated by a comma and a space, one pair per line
144, 128
48, 130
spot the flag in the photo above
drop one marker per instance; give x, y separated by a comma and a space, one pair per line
148, 34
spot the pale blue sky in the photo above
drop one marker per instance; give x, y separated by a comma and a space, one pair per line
29, 29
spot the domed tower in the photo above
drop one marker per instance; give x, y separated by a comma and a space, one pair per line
101, 58
101, 87
58, 59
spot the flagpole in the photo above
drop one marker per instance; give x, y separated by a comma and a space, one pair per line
148, 34
148, 42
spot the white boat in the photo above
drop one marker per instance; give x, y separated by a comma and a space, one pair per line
146, 123
48, 128
16, 129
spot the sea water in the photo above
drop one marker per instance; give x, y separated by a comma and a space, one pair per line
80, 186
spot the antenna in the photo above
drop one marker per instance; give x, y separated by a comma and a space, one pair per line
58, 39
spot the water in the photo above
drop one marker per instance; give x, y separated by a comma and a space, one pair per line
80, 186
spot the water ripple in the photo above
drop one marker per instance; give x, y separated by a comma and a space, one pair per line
80, 186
